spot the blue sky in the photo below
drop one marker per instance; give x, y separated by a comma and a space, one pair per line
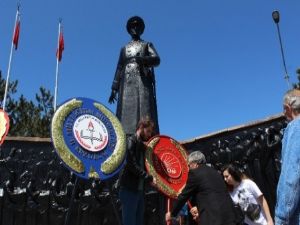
220, 60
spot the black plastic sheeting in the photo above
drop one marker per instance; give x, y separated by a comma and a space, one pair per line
35, 188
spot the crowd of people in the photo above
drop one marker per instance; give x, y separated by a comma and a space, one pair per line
228, 200
248, 202
214, 194
226, 197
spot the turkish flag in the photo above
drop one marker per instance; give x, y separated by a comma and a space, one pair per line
16, 35
61, 47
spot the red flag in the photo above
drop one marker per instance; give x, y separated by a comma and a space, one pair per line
16, 34
61, 46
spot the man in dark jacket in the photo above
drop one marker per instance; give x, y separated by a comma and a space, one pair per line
133, 177
207, 187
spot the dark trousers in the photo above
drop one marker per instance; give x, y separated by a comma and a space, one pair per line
132, 207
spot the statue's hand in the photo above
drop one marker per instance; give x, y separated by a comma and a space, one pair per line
112, 97
139, 60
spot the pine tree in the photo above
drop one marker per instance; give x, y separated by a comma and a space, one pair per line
27, 118
46, 111
12, 89
297, 86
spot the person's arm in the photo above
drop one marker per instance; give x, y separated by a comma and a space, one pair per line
288, 188
186, 193
152, 58
132, 162
116, 81
254, 189
263, 203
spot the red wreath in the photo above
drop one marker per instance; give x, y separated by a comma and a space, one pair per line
4, 125
166, 161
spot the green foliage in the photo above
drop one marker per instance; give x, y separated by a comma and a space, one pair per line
297, 86
12, 89
27, 118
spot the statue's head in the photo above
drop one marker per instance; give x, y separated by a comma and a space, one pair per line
135, 26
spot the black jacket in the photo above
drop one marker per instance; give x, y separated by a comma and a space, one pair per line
133, 170
214, 203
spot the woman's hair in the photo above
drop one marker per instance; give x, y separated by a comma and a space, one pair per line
236, 174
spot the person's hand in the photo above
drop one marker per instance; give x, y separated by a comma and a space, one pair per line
270, 222
154, 182
194, 212
112, 97
168, 216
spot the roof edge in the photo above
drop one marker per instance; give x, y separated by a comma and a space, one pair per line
28, 139
226, 130
235, 128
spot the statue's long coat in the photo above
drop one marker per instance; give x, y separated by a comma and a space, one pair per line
135, 83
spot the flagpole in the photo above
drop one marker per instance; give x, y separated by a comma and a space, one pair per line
276, 18
57, 67
9, 62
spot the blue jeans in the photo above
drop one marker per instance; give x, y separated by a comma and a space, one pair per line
132, 207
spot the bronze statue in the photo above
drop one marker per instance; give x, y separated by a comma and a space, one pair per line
134, 82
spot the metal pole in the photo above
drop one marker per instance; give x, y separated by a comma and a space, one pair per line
57, 67
9, 63
276, 18
286, 76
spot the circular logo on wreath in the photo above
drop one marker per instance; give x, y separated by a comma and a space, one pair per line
171, 165
166, 160
90, 133
88, 138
